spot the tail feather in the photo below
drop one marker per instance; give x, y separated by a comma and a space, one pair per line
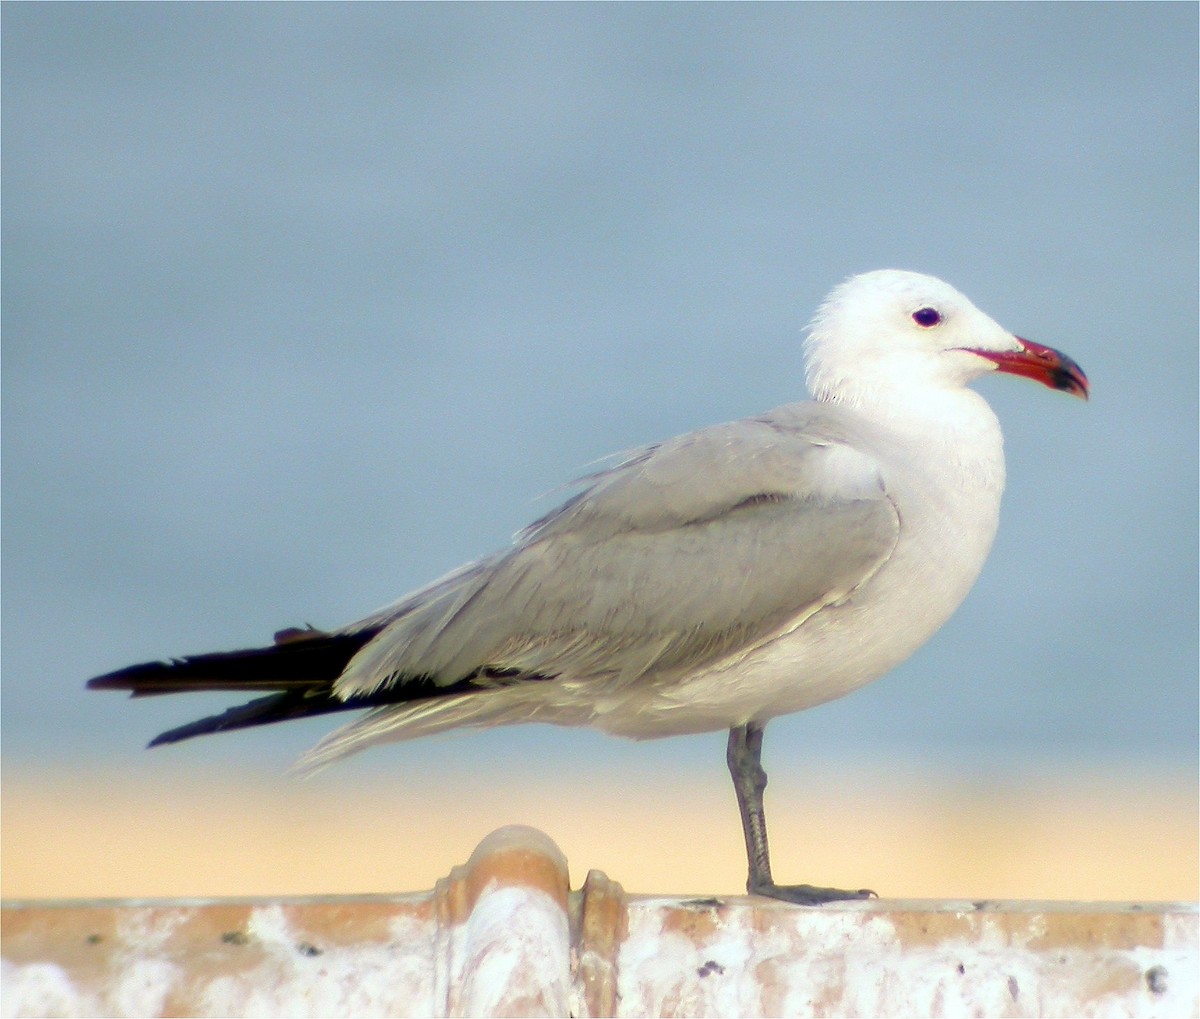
302, 666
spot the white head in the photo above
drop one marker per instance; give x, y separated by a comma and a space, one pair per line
900, 332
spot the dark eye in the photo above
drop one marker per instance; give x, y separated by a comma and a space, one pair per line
927, 318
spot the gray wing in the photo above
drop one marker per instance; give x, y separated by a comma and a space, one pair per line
686, 552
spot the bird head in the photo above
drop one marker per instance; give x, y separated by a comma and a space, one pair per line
891, 331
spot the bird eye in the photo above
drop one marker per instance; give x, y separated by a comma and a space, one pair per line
927, 318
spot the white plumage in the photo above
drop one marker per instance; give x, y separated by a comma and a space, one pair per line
740, 572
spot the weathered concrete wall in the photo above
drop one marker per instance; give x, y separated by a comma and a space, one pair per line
503, 936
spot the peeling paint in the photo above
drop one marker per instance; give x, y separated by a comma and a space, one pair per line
855, 963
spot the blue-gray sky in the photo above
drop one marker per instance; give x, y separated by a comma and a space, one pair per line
304, 305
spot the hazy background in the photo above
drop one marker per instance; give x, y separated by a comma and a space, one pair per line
304, 305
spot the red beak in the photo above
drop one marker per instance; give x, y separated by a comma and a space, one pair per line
1042, 364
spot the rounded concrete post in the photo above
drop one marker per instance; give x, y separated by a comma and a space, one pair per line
504, 931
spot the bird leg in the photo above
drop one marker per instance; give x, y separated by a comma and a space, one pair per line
744, 756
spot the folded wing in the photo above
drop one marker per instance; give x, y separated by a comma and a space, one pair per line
682, 554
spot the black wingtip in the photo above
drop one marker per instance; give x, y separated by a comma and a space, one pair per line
177, 735
260, 711
129, 678
299, 660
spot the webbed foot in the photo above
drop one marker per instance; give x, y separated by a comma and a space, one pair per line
807, 895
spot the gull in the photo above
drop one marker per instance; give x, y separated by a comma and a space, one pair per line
712, 581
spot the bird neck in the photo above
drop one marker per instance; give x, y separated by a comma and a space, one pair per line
948, 430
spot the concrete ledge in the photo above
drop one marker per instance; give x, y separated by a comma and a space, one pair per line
502, 935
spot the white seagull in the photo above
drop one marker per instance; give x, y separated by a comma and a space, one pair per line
712, 581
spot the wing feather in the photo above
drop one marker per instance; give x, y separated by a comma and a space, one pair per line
684, 553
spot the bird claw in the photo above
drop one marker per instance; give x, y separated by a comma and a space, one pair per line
808, 895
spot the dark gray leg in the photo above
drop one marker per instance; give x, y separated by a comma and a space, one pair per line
744, 756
